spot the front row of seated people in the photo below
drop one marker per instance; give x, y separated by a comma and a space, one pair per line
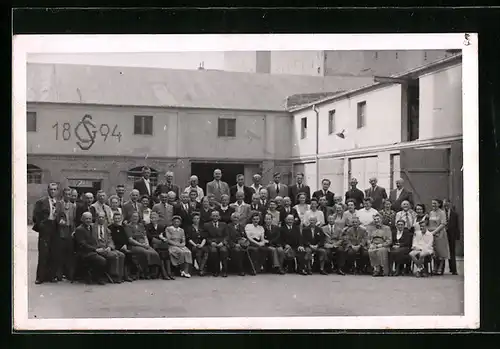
124, 252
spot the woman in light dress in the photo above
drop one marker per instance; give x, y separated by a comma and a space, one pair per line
301, 207
437, 227
180, 255
314, 212
146, 211
340, 219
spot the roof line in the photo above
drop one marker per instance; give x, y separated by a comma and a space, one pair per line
409, 73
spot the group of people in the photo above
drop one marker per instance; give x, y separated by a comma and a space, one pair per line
171, 231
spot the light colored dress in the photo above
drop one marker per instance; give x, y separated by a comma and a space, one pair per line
146, 214
178, 254
340, 223
301, 211
441, 247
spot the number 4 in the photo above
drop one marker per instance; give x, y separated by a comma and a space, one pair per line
118, 135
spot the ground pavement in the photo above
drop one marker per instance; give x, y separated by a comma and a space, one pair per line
262, 295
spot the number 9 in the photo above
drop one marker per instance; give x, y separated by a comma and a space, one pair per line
104, 134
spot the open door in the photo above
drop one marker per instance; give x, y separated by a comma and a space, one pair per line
426, 173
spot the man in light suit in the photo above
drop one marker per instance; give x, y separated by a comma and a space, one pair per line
299, 187
131, 206
400, 194
217, 187
243, 209
241, 187
378, 194
193, 185
165, 210
276, 188
143, 185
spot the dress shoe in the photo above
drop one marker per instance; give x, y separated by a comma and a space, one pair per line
224, 274
454, 273
323, 272
242, 273
54, 280
309, 272
201, 273
101, 282
127, 279
282, 272
340, 272
303, 272
38, 282
171, 277
215, 274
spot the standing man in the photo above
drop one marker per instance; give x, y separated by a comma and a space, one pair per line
217, 187
66, 211
131, 206
165, 210
167, 186
120, 193
378, 194
400, 194
264, 197
299, 187
100, 207
330, 197
277, 188
453, 232
143, 185
84, 206
183, 210
242, 188
244, 211
74, 196
45, 224
256, 186
355, 194
215, 233
193, 186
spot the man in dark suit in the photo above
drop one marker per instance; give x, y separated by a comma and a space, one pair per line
402, 240
257, 206
355, 194
217, 187
45, 224
88, 249
314, 241
84, 206
65, 218
167, 186
215, 233
276, 188
330, 197
237, 242
131, 206
378, 194
299, 187
273, 248
327, 211
400, 194
288, 209
453, 232
292, 241
144, 184
241, 187
184, 210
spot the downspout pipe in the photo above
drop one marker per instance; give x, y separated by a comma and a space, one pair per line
318, 177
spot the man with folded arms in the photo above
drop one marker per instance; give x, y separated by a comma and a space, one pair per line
314, 240
273, 245
292, 240
335, 243
357, 245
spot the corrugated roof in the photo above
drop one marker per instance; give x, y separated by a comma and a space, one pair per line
131, 86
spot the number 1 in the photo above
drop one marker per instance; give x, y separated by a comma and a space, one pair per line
56, 126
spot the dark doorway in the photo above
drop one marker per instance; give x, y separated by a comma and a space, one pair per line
85, 186
205, 172
413, 110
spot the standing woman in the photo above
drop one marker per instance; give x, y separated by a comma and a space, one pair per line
314, 212
205, 211
301, 207
139, 245
114, 204
180, 255
437, 227
146, 211
388, 215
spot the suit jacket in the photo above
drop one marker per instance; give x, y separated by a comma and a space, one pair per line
128, 209
356, 195
406, 239
452, 225
378, 195
326, 211
336, 237
291, 237
185, 215
143, 189
213, 189
273, 235
151, 232
165, 188
271, 190
235, 234
225, 216
107, 240
165, 213
81, 208
396, 201
119, 235
213, 234
293, 212
41, 213
293, 191
318, 238
329, 197
193, 234
357, 236
65, 230
86, 240
244, 212
248, 192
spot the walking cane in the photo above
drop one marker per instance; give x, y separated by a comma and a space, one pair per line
250, 260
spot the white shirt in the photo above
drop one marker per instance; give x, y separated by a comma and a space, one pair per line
407, 216
366, 216
399, 234
148, 186
398, 192
254, 232
423, 241
52, 214
100, 231
240, 189
198, 190
257, 189
320, 217
146, 214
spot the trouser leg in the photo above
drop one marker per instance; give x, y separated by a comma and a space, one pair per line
223, 255
452, 262
280, 254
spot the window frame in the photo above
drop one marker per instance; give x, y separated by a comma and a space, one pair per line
34, 174
303, 127
35, 119
331, 121
143, 121
361, 115
223, 127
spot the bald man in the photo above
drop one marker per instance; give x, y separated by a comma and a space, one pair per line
217, 187
131, 206
193, 185
400, 194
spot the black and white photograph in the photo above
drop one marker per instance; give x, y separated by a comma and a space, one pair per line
330, 182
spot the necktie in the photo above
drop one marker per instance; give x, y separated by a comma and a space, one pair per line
218, 185
331, 229
135, 206
448, 215
185, 207
52, 207
288, 210
408, 224
277, 188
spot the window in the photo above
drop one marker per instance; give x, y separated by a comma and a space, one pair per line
413, 103
303, 128
361, 114
134, 174
31, 121
395, 170
143, 125
331, 121
34, 174
227, 127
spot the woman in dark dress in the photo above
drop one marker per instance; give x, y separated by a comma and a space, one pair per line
205, 211
196, 243
388, 215
155, 233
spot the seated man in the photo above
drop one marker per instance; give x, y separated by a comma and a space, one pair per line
335, 244
357, 245
236, 242
314, 240
215, 234
88, 249
196, 242
255, 235
380, 240
422, 247
292, 241
402, 240
273, 245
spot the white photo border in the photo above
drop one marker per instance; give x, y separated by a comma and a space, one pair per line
53, 44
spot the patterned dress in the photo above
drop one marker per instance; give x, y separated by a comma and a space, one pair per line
441, 247
179, 253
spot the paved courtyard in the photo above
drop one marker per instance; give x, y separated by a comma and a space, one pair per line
263, 295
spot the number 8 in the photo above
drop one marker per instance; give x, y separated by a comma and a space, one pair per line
66, 131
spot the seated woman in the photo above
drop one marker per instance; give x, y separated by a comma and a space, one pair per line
196, 242
180, 255
146, 211
314, 212
422, 247
155, 233
380, 240
255, 235
205, 211
401, 245
138, 244
301, 207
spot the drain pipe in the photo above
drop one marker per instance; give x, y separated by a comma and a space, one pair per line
318, 177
